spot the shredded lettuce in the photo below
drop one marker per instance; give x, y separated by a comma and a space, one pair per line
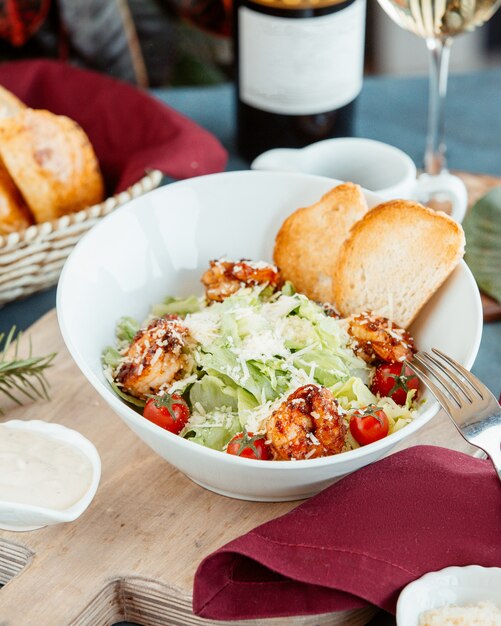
288, 288
176, 306
215, 431
125, 396
353, 394
126, 329
212, 394
251, 351
111, 357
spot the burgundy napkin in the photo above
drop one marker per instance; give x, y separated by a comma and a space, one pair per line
360, 541
130, 130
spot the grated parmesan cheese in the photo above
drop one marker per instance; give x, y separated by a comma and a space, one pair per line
481, 614
262, 346
203, 326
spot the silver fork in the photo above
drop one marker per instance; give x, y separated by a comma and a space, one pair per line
473, 409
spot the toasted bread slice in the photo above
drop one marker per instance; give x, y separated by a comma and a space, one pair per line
52, 162
394, 260
309, 240
14, 214
9, 103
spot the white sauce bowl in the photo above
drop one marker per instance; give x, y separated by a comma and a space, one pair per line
22, 517
459, 586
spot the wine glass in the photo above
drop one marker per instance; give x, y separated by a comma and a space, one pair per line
438, 22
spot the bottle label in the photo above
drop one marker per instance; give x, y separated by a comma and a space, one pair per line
301, 66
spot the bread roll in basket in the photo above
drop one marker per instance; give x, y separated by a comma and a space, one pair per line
51, 193
51, 162
136, 137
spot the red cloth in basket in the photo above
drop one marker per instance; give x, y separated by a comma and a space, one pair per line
130, 130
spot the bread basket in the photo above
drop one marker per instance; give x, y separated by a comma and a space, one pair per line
32, 259
136, 138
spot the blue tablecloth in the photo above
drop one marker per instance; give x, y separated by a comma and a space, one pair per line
389, 109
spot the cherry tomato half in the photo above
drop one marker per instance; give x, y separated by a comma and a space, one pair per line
369, 424
167, 411
394, 380
249, 446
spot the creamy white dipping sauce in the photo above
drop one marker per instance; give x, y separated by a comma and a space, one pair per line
40, 470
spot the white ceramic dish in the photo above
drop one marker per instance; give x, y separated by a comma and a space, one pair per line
160, 244
22, 517
458, 586
378, 166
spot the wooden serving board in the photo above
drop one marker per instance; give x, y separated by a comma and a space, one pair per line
133, 554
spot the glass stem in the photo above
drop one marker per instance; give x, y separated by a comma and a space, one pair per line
439, 53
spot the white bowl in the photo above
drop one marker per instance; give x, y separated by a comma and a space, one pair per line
160, 244
22, 517
458, 586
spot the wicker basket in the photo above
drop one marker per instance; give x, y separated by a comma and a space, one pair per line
32, 259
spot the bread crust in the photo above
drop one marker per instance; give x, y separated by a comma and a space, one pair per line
394, 260
52, 162
14, 214
307, 244
9, 103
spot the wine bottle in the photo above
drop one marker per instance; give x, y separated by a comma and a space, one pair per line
299, 69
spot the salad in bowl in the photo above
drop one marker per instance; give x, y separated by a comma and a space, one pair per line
254, 369
114, 287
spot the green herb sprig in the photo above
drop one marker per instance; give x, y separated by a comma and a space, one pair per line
22, 378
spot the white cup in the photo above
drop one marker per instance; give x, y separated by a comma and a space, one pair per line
376, 166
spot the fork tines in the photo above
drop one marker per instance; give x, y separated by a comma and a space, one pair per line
441, 374
473, 409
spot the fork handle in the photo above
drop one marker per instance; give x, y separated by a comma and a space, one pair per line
495, 457
498, 470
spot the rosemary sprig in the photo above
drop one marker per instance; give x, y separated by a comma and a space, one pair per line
22, 378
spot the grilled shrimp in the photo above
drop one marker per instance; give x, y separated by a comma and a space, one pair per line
306, 425
153, 358
224, 278
377, 338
